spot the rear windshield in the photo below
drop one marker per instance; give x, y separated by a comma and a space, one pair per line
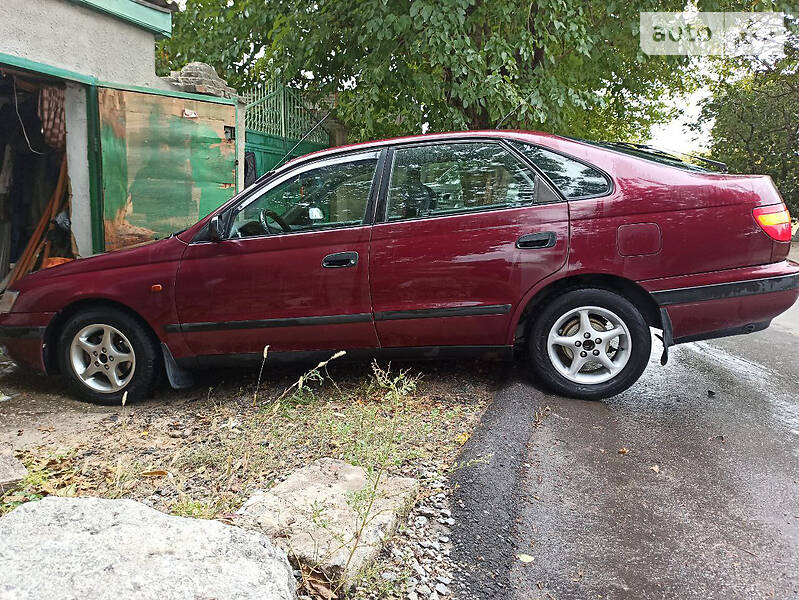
673, 159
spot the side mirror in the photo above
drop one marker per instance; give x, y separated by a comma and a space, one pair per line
215, 232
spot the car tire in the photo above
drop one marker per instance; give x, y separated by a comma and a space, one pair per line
105, 353
590, 344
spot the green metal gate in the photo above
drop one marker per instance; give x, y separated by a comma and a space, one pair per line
276, 120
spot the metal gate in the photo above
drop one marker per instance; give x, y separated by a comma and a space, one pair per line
276, 120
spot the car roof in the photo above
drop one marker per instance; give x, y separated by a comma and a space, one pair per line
427, 137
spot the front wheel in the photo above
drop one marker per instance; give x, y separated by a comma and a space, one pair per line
105, 353
590, 344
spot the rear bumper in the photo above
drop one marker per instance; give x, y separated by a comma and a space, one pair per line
724, 303
22, 335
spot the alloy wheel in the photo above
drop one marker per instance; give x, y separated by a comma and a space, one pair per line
102, 358
589, 345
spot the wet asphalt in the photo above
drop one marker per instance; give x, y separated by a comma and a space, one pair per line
686, 486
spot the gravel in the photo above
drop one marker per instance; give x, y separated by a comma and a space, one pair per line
421, 549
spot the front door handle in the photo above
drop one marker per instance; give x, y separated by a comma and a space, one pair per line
544, 239
340, 260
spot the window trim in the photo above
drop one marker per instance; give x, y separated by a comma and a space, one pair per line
376, 154
382, 208
512, 143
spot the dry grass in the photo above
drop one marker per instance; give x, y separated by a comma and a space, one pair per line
203, 455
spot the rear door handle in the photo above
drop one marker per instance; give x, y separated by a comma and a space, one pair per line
544, 239
340, 260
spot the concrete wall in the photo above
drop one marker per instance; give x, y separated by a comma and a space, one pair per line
78, 166
66, 35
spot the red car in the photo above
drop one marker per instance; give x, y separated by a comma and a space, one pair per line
477, 243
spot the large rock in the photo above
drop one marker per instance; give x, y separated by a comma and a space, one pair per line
200, 78
90, 548
315, 514
12, 471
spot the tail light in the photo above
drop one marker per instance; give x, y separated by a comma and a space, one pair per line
775, 220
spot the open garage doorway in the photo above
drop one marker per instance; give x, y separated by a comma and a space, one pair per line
35, 229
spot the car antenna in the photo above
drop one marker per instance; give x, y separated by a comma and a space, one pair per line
294, 147
517, 107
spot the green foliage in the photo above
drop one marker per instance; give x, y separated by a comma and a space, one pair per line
227, 34
394, 67
756, 121
186, 507
569, 66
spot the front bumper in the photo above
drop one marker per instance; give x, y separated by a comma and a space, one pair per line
723, 303
23, 337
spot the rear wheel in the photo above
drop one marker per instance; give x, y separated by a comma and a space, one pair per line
105, 353
590, 344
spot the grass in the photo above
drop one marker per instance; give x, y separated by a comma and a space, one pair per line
185, 507
49, 474
203, 456
346, 422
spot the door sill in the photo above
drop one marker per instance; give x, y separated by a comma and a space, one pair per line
498, 353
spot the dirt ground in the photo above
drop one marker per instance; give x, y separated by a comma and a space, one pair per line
201, 452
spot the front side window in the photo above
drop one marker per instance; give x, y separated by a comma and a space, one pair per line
441, 179
573, 178
333, 195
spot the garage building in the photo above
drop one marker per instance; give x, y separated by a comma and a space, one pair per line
96, 151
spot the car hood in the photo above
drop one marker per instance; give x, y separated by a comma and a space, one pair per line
167, 249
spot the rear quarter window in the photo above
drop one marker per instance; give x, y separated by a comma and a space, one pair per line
574, 179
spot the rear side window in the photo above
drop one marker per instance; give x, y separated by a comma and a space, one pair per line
573, 178
440, 179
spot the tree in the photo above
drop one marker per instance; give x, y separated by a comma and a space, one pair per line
229, 35
563, 65
755, 120
396, 66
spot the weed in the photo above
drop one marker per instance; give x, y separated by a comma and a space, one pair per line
384, 420
186, 507
260, 374
313, 376
301, 396
49, 475
375, 457
479, 460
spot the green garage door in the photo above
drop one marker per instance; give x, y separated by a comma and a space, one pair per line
166, 162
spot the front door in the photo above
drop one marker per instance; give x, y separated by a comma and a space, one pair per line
467, 228
292, 273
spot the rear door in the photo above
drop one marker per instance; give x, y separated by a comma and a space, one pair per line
293, 272
464, 229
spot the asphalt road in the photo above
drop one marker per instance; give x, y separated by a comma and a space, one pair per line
685, 486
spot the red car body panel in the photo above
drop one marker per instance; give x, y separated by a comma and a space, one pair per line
124, 277
427, 265
694, 318
280, 278
686, 239
26, 345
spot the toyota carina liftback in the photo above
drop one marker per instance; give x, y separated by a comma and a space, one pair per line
481, 243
